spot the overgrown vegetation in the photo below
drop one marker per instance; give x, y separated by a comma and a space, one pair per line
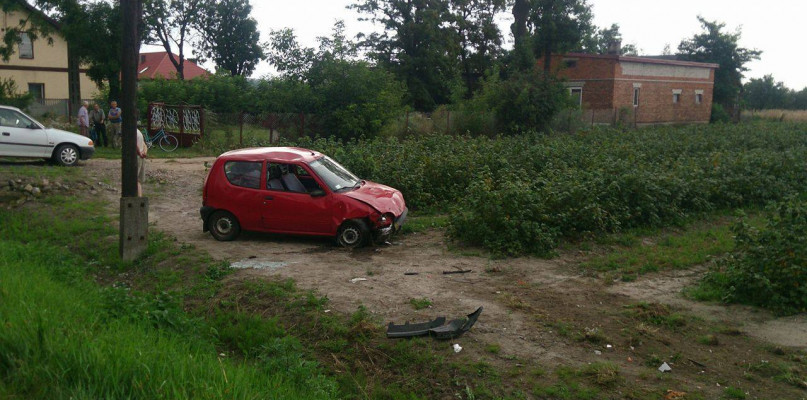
768, 266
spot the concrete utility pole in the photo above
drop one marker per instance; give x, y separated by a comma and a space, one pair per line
133, 209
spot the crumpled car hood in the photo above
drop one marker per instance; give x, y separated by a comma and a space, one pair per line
383, 198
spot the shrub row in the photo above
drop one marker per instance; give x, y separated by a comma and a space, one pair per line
768, 266
521, 194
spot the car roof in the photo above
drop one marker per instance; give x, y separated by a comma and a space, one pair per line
287, 154
10, 108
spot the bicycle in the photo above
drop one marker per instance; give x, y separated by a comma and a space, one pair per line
167, 142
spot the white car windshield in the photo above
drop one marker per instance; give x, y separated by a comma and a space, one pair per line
337, 177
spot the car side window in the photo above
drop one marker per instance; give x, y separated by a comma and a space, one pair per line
289, 178
243, 173
14, 119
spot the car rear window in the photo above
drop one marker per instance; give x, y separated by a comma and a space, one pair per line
244, 173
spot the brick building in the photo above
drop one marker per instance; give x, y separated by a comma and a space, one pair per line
637, 90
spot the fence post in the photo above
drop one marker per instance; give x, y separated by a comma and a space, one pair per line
406, 129
241, 129
201, 122
181, 123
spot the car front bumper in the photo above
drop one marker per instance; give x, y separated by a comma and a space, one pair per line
383, 234
86, 152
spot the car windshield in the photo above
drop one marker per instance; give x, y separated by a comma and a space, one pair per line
337, 177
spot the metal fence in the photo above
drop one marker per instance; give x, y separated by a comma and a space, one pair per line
186, 122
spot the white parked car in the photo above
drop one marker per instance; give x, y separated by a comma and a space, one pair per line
22, 136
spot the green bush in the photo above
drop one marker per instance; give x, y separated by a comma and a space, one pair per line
768, 267
10, 94
719, 114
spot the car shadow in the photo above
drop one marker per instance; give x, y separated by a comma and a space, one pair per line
23, 162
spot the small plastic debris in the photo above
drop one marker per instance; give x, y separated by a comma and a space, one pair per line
411, 273
597, 352
457, 348
457, 272
608, 346
664, 368
354, 280
675, 395
327, 311
630, 359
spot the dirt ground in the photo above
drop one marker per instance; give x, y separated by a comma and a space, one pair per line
527, 302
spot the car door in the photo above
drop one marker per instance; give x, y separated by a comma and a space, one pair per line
22, 137
294, 202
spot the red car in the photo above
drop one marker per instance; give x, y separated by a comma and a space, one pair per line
297, 191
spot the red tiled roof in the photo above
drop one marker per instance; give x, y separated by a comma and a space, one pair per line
157, 64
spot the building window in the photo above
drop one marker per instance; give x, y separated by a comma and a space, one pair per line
26, 46
577, 95
570, 63
698, 98
636, 96
142, 59
37, 91
676, 96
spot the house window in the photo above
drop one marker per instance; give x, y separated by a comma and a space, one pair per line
577, 95
142, 59
636, 96
37, 91
676, 96
698, 97
26, 46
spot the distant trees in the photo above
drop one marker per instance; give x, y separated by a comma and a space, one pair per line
714, 45
229, 36
173, 24
599, 41
766, 93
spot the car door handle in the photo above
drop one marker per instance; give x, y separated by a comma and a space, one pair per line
268, 198
6, 134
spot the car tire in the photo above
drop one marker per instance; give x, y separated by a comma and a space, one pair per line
224, 226
353, 234
66, 155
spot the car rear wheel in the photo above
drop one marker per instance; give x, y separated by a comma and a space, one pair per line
66, 155
353, 234
223, 226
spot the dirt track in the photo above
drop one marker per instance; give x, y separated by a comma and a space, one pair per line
174, 188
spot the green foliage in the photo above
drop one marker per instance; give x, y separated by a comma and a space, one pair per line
714, 45
525, 101
10, 94
230, 36
768, 267
219, 93
420, 304
719, 114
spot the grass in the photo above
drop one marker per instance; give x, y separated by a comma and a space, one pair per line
680, 249
420, 304
66, 337
776, 115
422, 223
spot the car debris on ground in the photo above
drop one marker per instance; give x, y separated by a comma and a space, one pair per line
436, 328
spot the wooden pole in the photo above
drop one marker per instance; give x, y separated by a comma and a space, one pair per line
134, 210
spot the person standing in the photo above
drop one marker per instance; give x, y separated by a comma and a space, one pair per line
83, 120
142, 153
115, 120
97, 119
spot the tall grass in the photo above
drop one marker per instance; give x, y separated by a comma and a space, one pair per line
63, 337
777, 115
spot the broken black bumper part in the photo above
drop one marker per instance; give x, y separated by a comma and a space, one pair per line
437, 328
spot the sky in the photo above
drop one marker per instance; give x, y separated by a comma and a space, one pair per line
773, 26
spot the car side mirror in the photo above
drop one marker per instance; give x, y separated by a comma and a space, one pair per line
317, 193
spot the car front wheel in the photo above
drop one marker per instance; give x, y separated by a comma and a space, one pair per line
353, 234
223, 226
66, 155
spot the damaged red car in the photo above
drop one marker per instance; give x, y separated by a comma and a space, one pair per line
297, 191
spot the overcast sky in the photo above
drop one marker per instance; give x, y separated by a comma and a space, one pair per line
777, 27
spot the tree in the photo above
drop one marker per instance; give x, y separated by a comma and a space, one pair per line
766, 93
714, 45
601, 39
480, 40
417, 45
558, 26
230, 36
173, 23
285, 53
